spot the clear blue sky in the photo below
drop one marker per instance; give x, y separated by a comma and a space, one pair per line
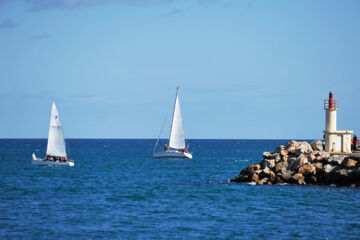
246, 68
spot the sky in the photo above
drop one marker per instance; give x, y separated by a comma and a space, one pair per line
247, 69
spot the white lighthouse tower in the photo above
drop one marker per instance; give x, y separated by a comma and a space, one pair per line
335, 140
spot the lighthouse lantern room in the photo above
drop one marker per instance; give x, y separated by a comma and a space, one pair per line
335, 140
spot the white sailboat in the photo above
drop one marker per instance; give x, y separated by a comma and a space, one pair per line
176, 147
56, 149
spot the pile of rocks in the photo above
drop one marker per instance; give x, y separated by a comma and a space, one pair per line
303, 163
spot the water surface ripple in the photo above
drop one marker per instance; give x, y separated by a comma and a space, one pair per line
118, 191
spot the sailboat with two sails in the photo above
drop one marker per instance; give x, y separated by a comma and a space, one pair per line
176, 147
56, 148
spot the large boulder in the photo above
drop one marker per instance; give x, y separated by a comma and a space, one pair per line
286, 174
291, 150
293, 144
272, 177
349, 163
299, 178
304, 148
269, 155
307, 169
336, 159
263, 181
282, 150
279, 148
317, 145
296, 163
281, 165
254, 177
318, 166
328, 168
267, 163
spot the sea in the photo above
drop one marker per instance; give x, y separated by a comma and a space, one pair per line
117, 190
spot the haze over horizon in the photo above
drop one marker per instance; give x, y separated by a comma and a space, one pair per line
246, 69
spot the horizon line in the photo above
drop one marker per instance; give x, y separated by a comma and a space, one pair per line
165, 139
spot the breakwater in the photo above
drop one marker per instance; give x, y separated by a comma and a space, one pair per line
303, 163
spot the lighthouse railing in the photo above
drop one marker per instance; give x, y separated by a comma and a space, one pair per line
328, 101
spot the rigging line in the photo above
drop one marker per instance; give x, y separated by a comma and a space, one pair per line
160, 132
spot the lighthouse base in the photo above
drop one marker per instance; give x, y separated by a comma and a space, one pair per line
338, 141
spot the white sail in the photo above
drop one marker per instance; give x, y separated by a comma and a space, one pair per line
56, 141
177, 138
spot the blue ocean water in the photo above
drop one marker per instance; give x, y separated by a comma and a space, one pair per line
116, 190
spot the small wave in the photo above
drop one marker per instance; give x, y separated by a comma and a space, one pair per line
242, 160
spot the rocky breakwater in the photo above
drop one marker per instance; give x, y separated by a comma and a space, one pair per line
303, 163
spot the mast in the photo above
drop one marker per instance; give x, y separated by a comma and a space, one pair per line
172, 120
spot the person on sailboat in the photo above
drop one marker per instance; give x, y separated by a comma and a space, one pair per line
165, 147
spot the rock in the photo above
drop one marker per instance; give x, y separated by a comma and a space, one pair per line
272, 177
267, 163
317, 145
311, 158
291, 150
299, 178
263, 181
320, 158
313, 179
307, 169
304, 148
284, 153
279, 149
267, 155
254, 178
349, 163
280, 165
257, 167
335, 159
293, 143
286, 174
318, 166
342, 172
328, 168
266, 171
279, 180
300, 161
291, 162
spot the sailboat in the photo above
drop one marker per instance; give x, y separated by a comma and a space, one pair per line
176, 147
56, 149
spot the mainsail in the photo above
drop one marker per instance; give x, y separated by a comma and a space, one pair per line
177, 139
56, 142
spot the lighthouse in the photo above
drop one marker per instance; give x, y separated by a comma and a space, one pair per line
336, 141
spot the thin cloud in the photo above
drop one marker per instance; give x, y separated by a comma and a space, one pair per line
251, 3
175, 12
7, 24
40, 36
36, 5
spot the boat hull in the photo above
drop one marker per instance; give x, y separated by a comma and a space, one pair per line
172, 154
44, 162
